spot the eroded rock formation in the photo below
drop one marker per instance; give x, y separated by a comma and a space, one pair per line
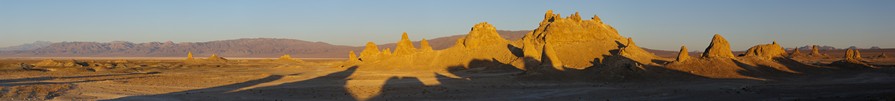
719, 48
189, 56
405, 46
796, 53
571, 36
766, 51
815, 52
683, 55
370, 52
482, 34
852, 55
352, 57
424, 46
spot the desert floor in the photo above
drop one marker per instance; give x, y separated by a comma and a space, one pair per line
324, 79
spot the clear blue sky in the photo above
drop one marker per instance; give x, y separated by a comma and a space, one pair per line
661, 24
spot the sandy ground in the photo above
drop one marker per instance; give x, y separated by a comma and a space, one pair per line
326, 80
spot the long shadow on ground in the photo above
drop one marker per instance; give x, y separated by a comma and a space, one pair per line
329, 87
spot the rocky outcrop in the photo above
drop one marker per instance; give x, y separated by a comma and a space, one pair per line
571, 36
796, 53
766, 51
482, 34
405, 46
852, 60
683, 55
215, 57
634, 52
815, 52
189, 56
424, 46
286, 57
852, 55
370, 52
352, 57
719, 48
550, 58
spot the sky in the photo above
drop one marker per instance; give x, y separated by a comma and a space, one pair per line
656, 24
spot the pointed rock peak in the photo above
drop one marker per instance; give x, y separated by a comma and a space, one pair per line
424, 45
814, 51
405, 46
189, 55
213, 56
795, 52
575, 17
404, 36
596, 18
719, 48
683, 55
549, 14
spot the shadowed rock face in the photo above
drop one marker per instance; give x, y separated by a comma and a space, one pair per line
405, 46
719, 48
683, 55
632, 51
766, 51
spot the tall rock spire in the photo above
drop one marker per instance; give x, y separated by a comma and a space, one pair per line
795, 52
719, 48
189, 56
352, 57
815, 52
405, 46
683, 55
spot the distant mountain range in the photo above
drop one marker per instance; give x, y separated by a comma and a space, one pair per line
28, 46
246, 47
